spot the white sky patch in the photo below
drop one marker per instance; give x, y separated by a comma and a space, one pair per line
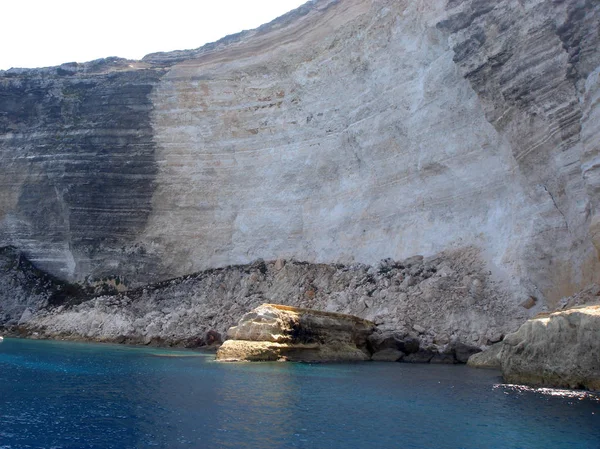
41, 33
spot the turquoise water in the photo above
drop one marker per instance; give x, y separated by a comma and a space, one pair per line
74, 395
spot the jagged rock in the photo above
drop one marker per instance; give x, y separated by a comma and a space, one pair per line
212, 337
382, 340
494, 337
276, 332
421, 356
413, 261
487, 359
420, 329
24, 289
462, 351
25, 316
559, 349
443, 358
529, 303
171, 312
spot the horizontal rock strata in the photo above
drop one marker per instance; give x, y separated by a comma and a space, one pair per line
560, 349
275, 332
344, 131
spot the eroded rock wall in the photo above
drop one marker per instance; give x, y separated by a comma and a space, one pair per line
347, 131
439, 300
24, 289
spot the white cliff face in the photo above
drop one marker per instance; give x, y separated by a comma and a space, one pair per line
356, 144
350, 131
357, 132
359, 144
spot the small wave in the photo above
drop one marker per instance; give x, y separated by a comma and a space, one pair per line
557, 392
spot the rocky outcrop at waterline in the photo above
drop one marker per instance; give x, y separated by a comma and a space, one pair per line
489, 359
273, 332
559, 349
431, 302
281, 333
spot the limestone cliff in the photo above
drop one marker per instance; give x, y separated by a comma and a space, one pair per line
347, 131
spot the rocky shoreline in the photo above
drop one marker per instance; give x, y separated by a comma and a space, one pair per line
441, 309
437, 301
559, 349
273, 332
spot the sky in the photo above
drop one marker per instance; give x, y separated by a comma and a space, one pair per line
42, 33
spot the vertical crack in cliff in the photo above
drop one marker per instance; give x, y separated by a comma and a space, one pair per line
557, 208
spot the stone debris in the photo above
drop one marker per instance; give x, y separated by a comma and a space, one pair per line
182, 311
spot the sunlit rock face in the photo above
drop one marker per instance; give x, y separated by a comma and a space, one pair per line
558, 350
273, 332
349, 130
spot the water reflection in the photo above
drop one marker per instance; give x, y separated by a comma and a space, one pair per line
257, 400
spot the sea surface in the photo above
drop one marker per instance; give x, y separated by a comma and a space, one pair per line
76, 395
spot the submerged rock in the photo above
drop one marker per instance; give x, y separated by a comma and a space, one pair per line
276, 332
388, 355
560, 349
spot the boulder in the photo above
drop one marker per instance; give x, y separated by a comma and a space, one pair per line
421, 356
446, 358
463, 351
212, 337
381, 340
276, 332
486, 359
559, 349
